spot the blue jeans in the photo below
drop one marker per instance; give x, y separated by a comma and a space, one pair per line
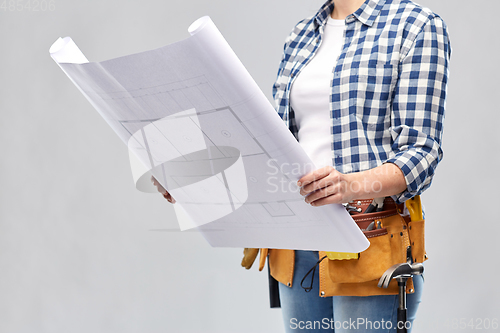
308, 312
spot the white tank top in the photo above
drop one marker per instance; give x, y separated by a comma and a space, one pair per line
310, 94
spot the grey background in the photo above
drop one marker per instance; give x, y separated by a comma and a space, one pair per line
82, 251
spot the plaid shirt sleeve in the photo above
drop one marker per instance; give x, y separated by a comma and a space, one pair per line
280, 87
418, 107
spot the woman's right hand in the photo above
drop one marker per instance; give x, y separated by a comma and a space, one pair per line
162, 190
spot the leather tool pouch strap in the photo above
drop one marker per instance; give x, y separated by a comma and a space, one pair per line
388, 246
416, 231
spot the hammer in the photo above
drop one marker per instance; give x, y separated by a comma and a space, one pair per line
401, 272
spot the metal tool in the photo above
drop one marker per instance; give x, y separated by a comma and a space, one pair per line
370, 226
376, 205
352, 208
401, 272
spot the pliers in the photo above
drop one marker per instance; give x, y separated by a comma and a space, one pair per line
377, 205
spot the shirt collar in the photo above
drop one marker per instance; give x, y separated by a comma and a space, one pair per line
366, 14
323, 13
369, 11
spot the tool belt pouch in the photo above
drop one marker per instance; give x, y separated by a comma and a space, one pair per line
388, 246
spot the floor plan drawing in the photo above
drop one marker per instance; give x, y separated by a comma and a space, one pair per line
193, 118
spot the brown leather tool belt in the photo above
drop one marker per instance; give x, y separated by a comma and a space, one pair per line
362, 204
363, 220
391, 235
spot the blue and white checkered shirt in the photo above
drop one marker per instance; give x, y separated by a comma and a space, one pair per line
388, 90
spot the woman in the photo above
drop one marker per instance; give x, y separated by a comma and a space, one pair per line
362, 86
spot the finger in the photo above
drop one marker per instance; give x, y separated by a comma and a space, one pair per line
333, 190
315, 175
319, 184
161, 189
322, 193
331, 199
169, 197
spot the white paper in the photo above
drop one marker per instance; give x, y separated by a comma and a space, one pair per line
192, 116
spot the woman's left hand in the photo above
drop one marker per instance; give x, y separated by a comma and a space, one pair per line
328, 186
325, 186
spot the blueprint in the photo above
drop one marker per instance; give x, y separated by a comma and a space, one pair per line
194, 119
